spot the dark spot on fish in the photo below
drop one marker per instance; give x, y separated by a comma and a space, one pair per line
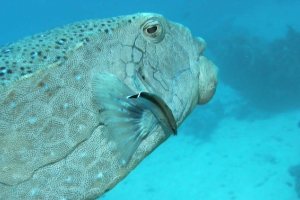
106, 30
41, 84
9, 71
143, 77
101, 124
33, 54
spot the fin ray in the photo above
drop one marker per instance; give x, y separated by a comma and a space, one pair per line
130, 118
125, 118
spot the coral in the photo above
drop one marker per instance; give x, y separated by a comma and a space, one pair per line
266, 74
295, 172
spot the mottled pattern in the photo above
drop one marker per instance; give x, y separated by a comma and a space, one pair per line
54, 143
49, 48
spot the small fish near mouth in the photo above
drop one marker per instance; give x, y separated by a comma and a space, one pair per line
130, 118
159, 108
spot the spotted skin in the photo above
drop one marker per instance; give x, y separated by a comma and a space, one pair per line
54, 143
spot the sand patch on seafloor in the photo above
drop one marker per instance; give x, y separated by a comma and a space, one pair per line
243, 160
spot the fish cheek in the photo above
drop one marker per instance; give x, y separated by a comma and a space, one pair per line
144, 79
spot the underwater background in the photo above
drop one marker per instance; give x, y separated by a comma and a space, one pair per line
245, 143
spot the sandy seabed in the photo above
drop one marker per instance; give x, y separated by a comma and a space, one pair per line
242, 160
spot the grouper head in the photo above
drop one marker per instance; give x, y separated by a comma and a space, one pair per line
164, 58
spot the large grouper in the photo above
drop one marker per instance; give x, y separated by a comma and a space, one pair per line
83, 104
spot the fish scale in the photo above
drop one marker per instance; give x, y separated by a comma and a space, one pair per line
55, 138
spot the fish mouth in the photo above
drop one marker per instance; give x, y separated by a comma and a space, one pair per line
207, 76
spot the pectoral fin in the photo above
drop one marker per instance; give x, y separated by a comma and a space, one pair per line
130, 118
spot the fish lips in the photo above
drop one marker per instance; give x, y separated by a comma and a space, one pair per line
208, 80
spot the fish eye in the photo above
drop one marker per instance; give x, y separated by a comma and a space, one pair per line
153, 30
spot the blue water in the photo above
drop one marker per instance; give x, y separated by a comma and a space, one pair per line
256, 45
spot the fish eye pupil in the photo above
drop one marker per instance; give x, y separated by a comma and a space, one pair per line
152, 30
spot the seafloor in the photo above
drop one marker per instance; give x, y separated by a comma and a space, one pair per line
242, 158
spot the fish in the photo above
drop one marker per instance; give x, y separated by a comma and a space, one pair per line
160, 109
134, 116
83, 104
